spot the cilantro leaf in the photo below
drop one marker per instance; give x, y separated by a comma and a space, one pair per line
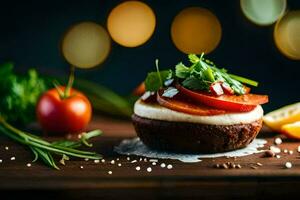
152, 82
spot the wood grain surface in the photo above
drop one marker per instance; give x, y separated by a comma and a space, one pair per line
186, 180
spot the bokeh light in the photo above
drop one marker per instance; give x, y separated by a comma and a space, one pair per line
86, 45
131, 23
287, 35
196, 30
263, 12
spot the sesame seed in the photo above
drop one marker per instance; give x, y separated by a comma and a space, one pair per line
169, 166
153, 160
137, 168
149, 169
275, 149
162, 165
86, 159
96, 161
288, 165
1, 161
13, 158
81, 167
145, 160
102, 160
259, 164
291, 152
119, 164
253, 167
112, 162
128, 158
285, 151
278, 156
141, 159
118, 159
134, 161
278, 141
6, 148
238, 166
298, 149
109, 172
154, 163
28, 165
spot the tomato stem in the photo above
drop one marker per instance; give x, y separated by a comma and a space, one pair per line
70, 82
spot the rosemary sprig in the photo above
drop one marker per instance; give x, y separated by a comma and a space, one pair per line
44, 150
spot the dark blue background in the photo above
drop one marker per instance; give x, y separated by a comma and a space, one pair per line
31, 31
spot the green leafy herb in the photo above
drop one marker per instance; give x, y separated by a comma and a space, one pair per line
19, 94
202, 73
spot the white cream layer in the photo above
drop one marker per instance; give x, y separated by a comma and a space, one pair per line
161, 113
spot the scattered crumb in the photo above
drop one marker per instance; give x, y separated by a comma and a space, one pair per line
6, 148
96, 161
285, 151
102, 160
81, 167
162, 165
137, 168
28, 165
291, 152
145, 160
288, 165
119, 164
1, 161
154, 163
278, 141
112, 162
86, 159
13, 158
298, 149
128, 158
149, 169
118, 159
141, 159
169, 166
109, 172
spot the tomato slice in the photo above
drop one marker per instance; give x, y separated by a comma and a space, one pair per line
234, 103
179, 104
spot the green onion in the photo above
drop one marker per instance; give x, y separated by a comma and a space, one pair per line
244, 80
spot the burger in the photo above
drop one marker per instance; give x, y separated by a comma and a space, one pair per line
198, 108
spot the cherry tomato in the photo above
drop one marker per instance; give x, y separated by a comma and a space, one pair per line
63, 115
234, 103
186, 106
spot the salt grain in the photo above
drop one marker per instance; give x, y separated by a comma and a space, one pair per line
278, 141
28, 165
96, 161
109, 172
288, 165
137, 168
13, 158
169, 166
162, 165
149, 169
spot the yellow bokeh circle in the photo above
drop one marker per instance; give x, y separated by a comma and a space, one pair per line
131, 23
196, 30
287, 35
263, 12
86, 45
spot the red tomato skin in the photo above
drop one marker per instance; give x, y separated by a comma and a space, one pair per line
70, 115
226, 102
